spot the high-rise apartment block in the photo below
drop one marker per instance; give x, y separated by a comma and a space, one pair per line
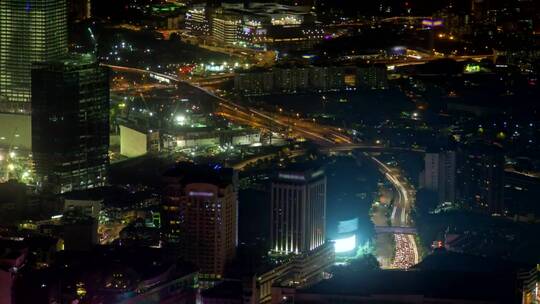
439, 174
372, 77
481, 177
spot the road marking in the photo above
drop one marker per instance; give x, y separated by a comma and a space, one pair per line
393, 213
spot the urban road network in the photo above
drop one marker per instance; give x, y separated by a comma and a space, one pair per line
328, 138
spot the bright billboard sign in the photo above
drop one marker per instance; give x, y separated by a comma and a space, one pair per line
348, 226
345, 244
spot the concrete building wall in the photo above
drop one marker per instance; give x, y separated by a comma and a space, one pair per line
132, 142
16, 130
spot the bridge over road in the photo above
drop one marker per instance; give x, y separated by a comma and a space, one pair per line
395, 229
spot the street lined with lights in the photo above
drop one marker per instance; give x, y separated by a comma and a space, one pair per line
406, 253
406, 250
323, 135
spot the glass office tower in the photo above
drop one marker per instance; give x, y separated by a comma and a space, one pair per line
70, 123
30, 31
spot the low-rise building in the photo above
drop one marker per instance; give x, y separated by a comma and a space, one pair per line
136, 141
294, 271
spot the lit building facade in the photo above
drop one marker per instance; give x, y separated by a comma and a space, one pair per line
30, 31
200, 218
298, 210
257, 25
295, 271
70, 119
225, 28
197, 22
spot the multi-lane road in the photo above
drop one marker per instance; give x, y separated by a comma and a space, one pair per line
406, 251
328, 137
257, 118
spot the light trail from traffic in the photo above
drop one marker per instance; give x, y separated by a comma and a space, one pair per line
406, 250
327, 137
323, 135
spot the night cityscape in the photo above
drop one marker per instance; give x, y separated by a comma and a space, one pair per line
269, 151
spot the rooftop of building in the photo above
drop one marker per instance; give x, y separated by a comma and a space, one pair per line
430, 284
265, 8
442, 275
443, 260
143, 262
71, 61
167, 9
211, 173
110, 196
300, 171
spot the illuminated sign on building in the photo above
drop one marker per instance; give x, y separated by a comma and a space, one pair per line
345, 244
198, 193
289, 176
317, 173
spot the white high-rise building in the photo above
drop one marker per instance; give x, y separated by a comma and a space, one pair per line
298, 210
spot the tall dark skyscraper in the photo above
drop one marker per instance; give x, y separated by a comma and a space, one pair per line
30, 31
200, 215
70, 123
298, 210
